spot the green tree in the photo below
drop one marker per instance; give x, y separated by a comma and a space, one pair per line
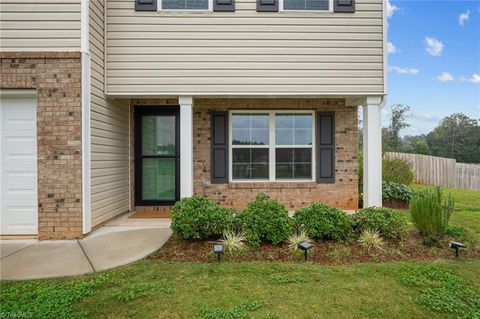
406, 147
421, 147
391, 133
457, 136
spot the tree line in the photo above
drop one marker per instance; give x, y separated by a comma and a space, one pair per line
456, 136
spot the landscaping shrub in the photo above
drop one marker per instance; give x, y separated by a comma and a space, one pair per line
397, 171
393, 171
198, 217
430, 214
396, 191
265, 219
389, 223
324, 222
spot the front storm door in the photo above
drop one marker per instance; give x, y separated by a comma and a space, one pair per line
157, 159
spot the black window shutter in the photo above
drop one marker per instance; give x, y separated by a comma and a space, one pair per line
325, 147
146, 5
219, 147
346, 6
267, 5
224, 5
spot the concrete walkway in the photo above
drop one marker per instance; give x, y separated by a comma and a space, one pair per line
119, 242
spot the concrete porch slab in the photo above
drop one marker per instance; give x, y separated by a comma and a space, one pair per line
9, 247
122, 246
46, 259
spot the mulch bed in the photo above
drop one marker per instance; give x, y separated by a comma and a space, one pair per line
324, 252
395, 204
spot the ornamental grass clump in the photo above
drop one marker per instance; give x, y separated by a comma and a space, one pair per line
430, 214
233, 241
295, 239
371, 240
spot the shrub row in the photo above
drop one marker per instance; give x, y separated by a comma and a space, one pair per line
267, 220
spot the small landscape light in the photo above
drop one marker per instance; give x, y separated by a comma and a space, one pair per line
305, 246
218, 249
456, 245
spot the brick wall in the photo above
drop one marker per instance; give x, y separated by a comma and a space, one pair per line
57, 79
343, 193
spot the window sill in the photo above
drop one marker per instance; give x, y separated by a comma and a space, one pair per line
272, 185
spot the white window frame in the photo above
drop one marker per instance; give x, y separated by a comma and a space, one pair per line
160, 9
271, 147
281, 8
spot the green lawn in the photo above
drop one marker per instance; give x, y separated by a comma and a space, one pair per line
156, 289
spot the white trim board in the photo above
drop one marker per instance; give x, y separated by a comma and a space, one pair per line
85, 89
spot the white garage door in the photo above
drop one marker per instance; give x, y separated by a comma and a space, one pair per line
18, 164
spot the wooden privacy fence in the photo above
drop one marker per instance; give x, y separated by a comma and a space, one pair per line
441, 171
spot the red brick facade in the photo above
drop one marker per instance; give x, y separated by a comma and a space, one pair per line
343, 193
57, 80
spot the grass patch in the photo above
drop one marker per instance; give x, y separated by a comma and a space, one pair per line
236, 290
48, 298
238, 312
442, 291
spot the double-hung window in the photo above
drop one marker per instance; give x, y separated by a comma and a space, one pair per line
306, 5
185, 5
272, 146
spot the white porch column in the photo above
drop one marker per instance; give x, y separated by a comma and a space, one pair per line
186, 146
372, 152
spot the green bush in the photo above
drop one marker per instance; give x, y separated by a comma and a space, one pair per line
198, 217
396, 191
264, 219
324, 222
393, 171
389, 223
430, 214
397, 171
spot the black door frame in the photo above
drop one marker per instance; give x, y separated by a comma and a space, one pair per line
139, 112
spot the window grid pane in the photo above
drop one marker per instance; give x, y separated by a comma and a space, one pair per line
185, 4
293, 163
293, 149
250, 129
250, 163
319, 5
293, 129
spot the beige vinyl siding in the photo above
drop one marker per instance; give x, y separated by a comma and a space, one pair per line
39, 25
109, 133
245, 52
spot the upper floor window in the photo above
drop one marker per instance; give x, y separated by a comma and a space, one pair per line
185, 5
306, 5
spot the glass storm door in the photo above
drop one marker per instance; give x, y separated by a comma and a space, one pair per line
157, 156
